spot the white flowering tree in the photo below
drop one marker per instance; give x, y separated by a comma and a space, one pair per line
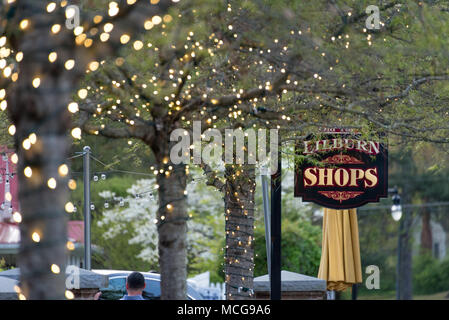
139, 210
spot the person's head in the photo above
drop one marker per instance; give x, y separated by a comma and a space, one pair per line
135, 283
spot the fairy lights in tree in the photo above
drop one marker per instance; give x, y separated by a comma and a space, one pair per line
231, 69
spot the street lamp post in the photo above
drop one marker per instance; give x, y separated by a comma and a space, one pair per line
396, 213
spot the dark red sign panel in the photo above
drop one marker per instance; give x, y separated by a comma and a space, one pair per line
341, 170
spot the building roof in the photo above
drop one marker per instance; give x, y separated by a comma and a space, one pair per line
8, 184
291, 281
75, 231
88, 279
10, 233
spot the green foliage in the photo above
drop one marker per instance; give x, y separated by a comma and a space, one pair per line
111, 152
117, 253
117, 184
377, 230
301, 248
199, 265
5, 138
3, 265
430, 275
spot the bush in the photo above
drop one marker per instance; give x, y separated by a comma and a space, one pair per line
3, 265
300, 248
430, 275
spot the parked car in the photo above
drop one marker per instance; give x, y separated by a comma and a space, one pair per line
152, 291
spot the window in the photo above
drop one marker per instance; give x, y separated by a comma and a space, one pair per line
152, 289
436, 250
116, 289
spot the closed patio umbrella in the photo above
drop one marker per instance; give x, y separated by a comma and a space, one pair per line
340, 257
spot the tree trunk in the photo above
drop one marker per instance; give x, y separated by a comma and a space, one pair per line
172, 229
404, 280
42, 111
426, 232
239, 212
405, 269
405, 285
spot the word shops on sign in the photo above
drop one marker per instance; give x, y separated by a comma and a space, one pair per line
340, 170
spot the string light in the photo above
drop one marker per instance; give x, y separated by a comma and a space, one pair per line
56, 28
63, 170
73, 107
28, 172
69, 207
51, 183
51, 7
24, 24
70, 245
69, 64
69, 295
14, 158
52, 57
76, 133
82, 93
72, 184
36, 237
17, 217
55, 268
12, 130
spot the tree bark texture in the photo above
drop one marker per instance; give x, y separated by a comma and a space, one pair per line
42, 111
172, 220
239, 213
426, 231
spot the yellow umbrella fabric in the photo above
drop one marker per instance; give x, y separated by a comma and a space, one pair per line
340, 256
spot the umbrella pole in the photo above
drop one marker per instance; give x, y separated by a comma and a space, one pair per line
276, 197
266, 211
354, 291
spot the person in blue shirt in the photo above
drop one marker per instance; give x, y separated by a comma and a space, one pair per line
135, 283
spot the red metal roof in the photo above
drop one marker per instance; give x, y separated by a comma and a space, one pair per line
75, 231
10, 178
9, 232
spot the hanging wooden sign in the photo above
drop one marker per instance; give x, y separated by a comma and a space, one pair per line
341, 170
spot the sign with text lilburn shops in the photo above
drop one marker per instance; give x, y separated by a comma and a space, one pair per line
341, 170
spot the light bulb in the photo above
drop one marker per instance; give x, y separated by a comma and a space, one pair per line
396, 212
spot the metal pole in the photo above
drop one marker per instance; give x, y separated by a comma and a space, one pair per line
266, 211
276, 198
354, 291
398, 265
87, 216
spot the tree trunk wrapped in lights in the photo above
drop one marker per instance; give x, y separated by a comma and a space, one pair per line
239, 214
39, 113
39, 81
172, 228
